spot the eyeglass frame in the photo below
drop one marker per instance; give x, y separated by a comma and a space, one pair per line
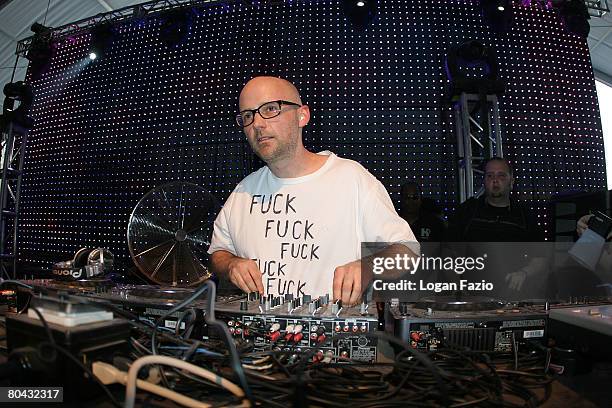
254, 111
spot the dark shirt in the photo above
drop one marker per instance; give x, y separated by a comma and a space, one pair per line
479, 227
477, 221
428, 227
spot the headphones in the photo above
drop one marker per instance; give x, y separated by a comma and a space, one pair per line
87, 263
100, 257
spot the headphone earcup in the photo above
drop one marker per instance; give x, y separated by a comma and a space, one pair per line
80, 258
101, 256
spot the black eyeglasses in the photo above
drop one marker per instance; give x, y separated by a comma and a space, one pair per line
268, 110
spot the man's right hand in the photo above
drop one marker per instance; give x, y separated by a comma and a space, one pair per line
245, 274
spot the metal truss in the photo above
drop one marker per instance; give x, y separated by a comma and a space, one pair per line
136, 12
15, 125
478, 138
597, 8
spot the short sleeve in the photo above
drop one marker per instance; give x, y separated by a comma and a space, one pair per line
222, 238
379, 220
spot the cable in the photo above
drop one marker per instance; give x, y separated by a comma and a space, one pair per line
189, 313
515, 350
52, 344
209, 318
130, 389
198, 350
15, 282
23, 285
47, 12
472, 379
132, 318
187, 301
84, 368
423, 359
455, 377
109, 374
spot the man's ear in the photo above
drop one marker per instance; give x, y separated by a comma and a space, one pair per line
303, 115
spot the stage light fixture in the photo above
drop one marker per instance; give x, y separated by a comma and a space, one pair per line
462, 63
17, 92
575, 17
360, 13
40, 29
497, 14
41, 50
101, 40
139, 12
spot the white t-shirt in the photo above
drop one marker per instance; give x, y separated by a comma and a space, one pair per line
299, 230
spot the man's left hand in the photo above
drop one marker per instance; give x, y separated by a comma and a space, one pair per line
349, 283
515, 280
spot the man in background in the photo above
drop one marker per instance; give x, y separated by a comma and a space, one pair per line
497, 217
421, 213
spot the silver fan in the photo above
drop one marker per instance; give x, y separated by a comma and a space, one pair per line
169, 233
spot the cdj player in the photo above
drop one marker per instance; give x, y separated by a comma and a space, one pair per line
478, 323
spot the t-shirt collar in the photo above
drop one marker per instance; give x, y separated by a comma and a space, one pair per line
307, 177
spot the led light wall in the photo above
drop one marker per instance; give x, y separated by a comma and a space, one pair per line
148, 112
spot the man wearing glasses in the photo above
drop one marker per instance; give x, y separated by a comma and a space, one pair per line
296, 225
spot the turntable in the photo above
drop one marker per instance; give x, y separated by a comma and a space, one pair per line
146, 298
152, 293
80, 286
478, 323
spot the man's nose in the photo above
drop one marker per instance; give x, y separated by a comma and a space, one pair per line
258, 121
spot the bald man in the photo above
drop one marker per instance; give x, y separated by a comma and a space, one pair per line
296, 225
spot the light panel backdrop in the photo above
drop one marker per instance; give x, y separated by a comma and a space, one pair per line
146, 113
